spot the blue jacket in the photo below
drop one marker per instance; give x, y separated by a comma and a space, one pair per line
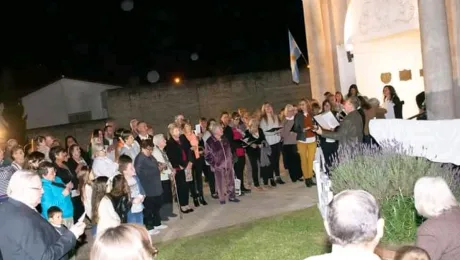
53, 197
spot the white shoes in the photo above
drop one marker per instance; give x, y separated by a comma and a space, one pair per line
154, 232
160, 227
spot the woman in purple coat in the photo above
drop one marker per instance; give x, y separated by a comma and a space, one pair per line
219, 156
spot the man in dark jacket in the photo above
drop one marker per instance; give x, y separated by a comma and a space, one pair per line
351, 129
142, 132
25, 234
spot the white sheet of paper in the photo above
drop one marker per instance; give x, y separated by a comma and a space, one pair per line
82, 218
327, 120
198, 129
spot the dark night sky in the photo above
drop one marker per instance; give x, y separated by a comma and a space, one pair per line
98, 41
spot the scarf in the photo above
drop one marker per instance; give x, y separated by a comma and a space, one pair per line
265, 153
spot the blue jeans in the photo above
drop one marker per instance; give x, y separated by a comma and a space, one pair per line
136, 218
94, 230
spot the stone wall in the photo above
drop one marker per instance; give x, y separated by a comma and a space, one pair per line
82, 131
158, 104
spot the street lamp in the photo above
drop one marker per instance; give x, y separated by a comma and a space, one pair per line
177, 80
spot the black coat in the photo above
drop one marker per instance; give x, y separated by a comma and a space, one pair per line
398, 106
25, 234
174, 151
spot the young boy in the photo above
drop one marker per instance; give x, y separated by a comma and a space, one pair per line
55, 218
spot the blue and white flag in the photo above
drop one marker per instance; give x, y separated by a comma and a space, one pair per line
295, 53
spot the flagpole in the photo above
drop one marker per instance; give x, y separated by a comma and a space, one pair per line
301, 53
305, 59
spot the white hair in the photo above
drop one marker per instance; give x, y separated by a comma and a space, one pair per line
352, 218
432, 196
19, 181
374, 102
213, 127
158, 138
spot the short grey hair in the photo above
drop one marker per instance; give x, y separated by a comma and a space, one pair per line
213, 127
158, 138
19, 181
374, 102
432, 196
352, 218
354, 101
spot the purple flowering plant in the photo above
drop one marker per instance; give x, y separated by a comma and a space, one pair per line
389, 172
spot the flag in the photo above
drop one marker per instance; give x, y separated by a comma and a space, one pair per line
294, 53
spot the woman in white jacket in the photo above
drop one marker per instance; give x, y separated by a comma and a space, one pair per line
103, 213
271, 125
102, 165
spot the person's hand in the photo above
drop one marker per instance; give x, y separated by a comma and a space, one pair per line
78, 229
260, 146
319, 131
306, 129
66, 192
69, 185
254, 146
137, 200
161, 166
110, 148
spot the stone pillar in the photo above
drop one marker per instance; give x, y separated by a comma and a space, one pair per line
453, 18
320, 78
437, 64
338, 12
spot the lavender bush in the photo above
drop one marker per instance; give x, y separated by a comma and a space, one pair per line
386, 171
389, 173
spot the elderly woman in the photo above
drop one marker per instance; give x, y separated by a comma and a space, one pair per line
149, 172
6, 172
166, 175
439, 235
180, 158
218, 154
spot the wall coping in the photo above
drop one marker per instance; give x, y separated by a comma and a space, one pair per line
245, 77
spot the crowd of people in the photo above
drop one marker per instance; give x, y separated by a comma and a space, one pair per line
132, 175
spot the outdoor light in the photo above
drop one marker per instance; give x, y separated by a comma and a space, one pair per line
350, 56
349, 49
177, 80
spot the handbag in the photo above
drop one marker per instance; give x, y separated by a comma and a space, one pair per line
237, 186
188, 175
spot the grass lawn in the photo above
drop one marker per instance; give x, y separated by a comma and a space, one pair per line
292, 236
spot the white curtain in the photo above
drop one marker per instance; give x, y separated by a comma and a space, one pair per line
437, 140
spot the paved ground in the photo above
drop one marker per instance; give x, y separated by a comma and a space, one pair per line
284, 198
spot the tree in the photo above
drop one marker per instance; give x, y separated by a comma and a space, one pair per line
12, 118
